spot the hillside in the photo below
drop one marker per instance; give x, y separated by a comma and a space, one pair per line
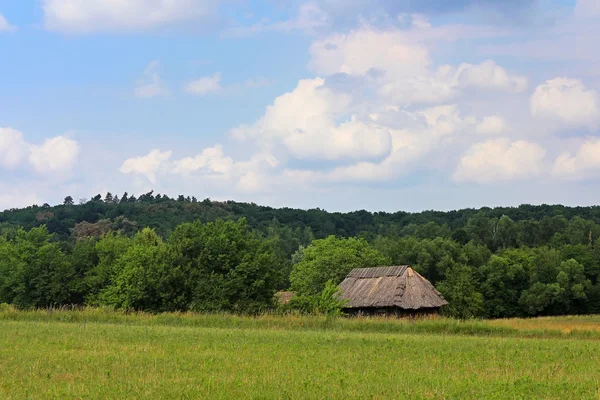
129, 214
153, 253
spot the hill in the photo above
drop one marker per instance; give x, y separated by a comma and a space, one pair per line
535, 225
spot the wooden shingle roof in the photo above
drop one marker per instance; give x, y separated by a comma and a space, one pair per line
398, 286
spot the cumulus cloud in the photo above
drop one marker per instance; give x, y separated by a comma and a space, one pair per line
205, 85
304, 122
363, 50
12, 147
431, 128
54, 155
500, 160
210, 164
489, 75
150, 84
492, 125
85, 16
5, 26
211, 159
147, 165
398, 64
584, 164
57, 154
566, 101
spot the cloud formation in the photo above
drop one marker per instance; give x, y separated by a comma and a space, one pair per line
54, 155
205, 85
211, 165
150, 85
566, 101
500, 160
148, 165
304, 123
57, 154
87, 16
12, 147
5, 26
584, 164
493, 125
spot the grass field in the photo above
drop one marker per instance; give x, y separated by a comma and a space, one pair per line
101, 354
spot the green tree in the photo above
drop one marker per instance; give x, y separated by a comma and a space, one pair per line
137, 275
504, 278
332, 259
221, 266
461, 290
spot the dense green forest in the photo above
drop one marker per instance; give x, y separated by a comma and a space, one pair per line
160, 254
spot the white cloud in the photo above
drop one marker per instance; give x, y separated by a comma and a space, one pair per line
304, 122
210, 164
5, 26
12, 147
57, 154
431, 129
211, 159
489, 75
54, 155
150, 84
566, 101
205, 85
360, 51
397, 62
10, 198
310, 17
582, 165
148, 165
500, 160
85, 16
492, 125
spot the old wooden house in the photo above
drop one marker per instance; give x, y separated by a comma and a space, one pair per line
398, 291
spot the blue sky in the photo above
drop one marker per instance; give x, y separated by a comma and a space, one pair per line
343, 105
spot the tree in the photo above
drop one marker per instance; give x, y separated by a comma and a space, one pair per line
332, 259
34, 271
504, 278
108, 199
461, 291
68, 201
220, 266
137, 274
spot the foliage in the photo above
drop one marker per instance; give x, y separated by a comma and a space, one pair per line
325, 303
460, 290
522, 261
331, 259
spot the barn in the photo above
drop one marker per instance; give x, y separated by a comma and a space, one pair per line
395, 291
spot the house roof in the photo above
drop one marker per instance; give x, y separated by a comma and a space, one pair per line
398, 286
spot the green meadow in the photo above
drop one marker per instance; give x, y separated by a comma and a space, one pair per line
98, 354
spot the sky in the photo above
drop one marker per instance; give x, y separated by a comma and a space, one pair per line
382, 105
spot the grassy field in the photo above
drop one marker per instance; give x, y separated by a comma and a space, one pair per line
101, 354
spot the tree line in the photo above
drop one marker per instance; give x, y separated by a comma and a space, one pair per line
159, 254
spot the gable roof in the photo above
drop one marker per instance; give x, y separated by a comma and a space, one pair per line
398, 286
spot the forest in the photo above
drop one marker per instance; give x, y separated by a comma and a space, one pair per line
155, 253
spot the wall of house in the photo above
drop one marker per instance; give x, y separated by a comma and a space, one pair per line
394, 312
